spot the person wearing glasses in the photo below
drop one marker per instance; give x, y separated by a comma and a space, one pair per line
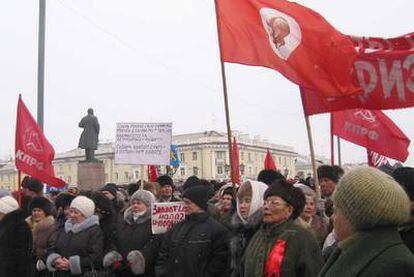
280, 247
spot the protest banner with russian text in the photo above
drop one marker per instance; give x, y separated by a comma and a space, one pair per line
166, 215
143, 143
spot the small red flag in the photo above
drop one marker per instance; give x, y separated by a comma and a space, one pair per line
152, 173
372, 130
269, 163
34, 154
289, 38
235, 158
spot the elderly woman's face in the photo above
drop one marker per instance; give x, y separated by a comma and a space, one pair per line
138, 206
276, 210
310, 209
75, 216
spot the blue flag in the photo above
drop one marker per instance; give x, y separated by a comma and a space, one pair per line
174, 160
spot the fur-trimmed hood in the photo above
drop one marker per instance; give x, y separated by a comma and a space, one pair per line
128, 216
79, 227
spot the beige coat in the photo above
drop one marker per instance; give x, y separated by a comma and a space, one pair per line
42, 232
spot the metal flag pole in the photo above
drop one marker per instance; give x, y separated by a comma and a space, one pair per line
226, 101
332, 143
338, 143
41, 63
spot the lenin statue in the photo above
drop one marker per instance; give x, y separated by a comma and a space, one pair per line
89, 137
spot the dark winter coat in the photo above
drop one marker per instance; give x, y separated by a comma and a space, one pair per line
301, 255
81, 243
407, 234
378, 252
197, 246
15, 245
240, 237
137, 235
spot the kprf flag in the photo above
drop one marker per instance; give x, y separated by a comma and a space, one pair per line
269, 163
375, 159
289, 38
372, 130
384, 70
235, 158
34, 154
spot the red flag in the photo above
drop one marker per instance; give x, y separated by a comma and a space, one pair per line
375, 159
386, 78
373, 130
34, 154
235, 159
269, 163
152, 173
290, 38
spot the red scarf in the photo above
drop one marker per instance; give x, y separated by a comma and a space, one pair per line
275, 258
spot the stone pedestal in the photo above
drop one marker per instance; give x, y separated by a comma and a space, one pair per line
91, 175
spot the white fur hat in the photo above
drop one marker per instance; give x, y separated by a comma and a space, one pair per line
8, 204
84, 205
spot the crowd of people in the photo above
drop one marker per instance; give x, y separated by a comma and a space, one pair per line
362, 224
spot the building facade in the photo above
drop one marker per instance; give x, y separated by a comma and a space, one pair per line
204, 154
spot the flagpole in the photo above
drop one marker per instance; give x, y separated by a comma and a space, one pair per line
19, 187
338, 142
312, 152
226, 102
142, 176
41, 63
332, 143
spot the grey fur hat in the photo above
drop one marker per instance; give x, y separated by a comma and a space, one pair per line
144, 196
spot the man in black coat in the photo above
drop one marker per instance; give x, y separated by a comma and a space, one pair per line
197, 246
15, 240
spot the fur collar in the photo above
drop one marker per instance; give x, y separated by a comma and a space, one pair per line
44, 223
253, 221
79, 227
128, 216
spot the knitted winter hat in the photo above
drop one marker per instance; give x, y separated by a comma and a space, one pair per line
144, 196
370, 198
165, 180
199, 195
327, 171
405, 177
8, 204
42, 203
84, 205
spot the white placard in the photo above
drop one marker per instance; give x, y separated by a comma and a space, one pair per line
143, 143
165, 215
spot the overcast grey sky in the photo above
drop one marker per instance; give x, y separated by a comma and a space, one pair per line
157, 60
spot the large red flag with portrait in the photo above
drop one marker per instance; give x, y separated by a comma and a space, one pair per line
289, 38
372, 130
34, 154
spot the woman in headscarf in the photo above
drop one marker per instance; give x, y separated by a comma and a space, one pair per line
245, 221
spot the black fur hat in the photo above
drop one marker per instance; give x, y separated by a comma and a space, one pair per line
42, 203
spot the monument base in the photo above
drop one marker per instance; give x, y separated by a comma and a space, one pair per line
91, 176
